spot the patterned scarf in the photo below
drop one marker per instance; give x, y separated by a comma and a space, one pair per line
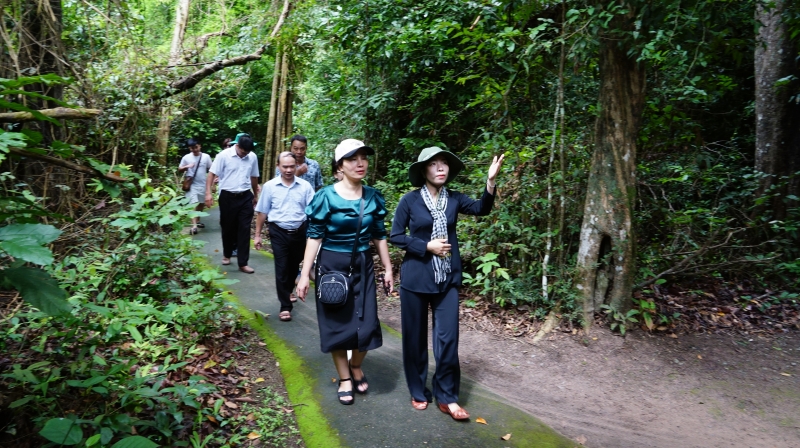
441, 265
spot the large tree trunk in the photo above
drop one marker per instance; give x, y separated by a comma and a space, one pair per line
777, 134
606, 256
175, 57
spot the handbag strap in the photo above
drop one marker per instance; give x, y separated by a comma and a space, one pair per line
197, 167
358, 234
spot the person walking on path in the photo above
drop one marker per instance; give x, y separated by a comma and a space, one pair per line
425, 227
307, 169
283, 202
333, 217
237, 169
195, 165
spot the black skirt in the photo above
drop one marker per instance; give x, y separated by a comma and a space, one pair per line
354, 325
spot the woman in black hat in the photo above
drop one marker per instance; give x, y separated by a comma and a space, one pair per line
425, 227
333, 217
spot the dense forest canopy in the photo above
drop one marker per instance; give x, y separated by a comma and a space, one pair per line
649, 145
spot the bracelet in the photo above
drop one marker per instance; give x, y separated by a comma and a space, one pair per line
489, 185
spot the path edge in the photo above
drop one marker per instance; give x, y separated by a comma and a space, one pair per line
314, 427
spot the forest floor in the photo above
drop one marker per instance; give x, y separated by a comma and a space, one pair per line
664, 390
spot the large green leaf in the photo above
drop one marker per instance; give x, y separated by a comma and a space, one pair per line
135, 442
62, 431
39, 289
41, 233
27, 249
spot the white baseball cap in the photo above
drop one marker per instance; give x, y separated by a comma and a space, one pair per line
349, 147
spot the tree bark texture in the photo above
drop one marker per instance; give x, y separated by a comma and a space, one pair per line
279, 126
777, 151
175, 57
606, 257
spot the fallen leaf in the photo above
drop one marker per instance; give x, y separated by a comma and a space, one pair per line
786, 374
250, 417
673, 336
506, 437
661, 328
224, 371
262, 344
480, 420
231, 405
211, 363
594, 339
253, 435
277, 364
333, 380
211, 418
699, 357
581, 440
259, 380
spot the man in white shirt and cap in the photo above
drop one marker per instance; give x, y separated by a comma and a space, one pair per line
237, 169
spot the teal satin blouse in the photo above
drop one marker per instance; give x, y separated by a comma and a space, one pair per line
334, 219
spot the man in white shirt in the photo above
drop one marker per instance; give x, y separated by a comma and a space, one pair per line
237, 169
196, 165
283, 202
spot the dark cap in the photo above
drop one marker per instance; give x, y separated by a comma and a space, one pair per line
192, 142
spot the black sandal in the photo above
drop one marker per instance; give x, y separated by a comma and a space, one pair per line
345, 393
357, 383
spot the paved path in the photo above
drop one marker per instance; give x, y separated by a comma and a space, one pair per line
384, 416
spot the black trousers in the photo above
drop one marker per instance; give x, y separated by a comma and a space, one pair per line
235, 216
414, 323
288, 248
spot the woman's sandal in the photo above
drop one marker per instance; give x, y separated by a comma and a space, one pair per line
357, 383
419, 405
345, 394
459, 414
285, 316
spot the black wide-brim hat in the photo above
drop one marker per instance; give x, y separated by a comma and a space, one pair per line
416, 172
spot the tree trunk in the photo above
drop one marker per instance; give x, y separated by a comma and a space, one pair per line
175, 57
41, 52
777, 135
606, 257
279, 126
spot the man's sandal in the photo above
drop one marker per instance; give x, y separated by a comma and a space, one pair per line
458, 414
419, 405
285, 316
345, 394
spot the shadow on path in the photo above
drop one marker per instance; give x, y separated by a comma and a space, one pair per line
384, 416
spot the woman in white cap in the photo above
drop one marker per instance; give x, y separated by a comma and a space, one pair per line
425, 227
333, 220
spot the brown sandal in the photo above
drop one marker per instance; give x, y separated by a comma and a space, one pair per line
459, 414
419, 405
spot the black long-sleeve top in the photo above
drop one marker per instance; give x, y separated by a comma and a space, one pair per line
416, 272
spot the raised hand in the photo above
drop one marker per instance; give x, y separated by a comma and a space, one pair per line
497, 163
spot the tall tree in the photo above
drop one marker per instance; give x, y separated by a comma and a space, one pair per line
175, 58
777, 118
606, 257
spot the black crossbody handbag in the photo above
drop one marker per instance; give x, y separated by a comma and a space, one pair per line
333, 288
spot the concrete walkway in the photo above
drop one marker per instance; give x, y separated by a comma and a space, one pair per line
384, 416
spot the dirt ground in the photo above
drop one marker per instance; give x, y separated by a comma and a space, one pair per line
706, 390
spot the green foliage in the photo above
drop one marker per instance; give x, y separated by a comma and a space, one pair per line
619, 321
138, 308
